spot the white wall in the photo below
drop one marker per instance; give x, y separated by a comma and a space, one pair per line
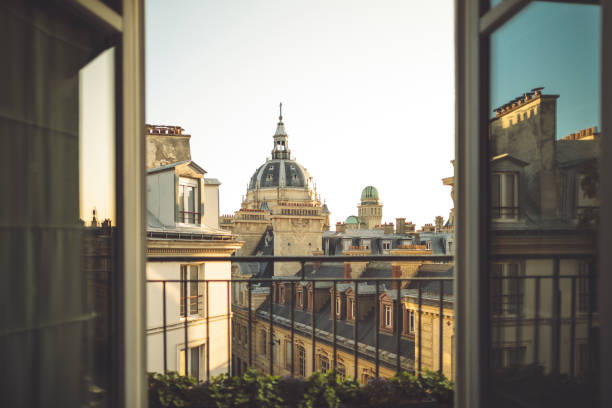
211, 205
219, 322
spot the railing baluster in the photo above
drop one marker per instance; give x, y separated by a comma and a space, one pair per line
165, 326
229, 329
556, 319
573, 327
249, 290
185, 324
312, 322
536, 323
207, 334
293, 305
441, 330
271, 313
398, 310
592, 277
356, 330
334, 320
420, 334
376, 328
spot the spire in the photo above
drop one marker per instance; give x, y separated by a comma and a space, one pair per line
281, 142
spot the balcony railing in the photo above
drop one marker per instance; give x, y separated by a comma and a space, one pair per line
402, 350
543, 313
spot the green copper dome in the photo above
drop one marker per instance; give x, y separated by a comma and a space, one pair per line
351, 219
369, 193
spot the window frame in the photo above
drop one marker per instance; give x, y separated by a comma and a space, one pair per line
475, 20
194, 184
497, 213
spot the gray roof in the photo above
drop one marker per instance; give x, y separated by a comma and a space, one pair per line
212, 181
279, 173
176, 164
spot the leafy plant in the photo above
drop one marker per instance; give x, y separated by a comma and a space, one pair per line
168, 390
320, 390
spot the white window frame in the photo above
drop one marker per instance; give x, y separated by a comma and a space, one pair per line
323, 361
411, 321
186, 274
197, 213
386, 245
388, 316
201, 347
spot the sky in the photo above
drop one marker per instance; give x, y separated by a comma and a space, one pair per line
367, 91
555, 46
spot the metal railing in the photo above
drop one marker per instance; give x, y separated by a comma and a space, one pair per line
552, 314
397, 287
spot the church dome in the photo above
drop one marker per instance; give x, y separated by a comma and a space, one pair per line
369, 193
351, 219
283, 173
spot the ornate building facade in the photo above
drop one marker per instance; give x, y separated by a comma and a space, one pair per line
281, 213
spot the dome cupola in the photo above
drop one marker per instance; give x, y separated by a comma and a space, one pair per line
370, 193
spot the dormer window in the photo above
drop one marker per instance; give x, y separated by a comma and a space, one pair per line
300, 298
351, 309
504, 196
188, 201
338, 306
388, 317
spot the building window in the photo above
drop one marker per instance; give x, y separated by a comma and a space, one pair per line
504, 196
281, 294
195, 363
300, 299
190, 283
388, 316
584, 289
506, 289
346, 244
188, 201
338, 306
411, 321
301, 351
386, 245
323, 364
288, 354
428, 244
263, 342
351, 309
341, 370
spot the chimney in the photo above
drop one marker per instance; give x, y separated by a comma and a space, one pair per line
400, 224
340, 227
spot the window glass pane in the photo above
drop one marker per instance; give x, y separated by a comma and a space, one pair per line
544, 146
195, 362
58, 211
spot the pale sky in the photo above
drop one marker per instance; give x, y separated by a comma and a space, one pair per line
367, 91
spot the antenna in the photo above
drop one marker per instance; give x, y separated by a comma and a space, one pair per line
280, 108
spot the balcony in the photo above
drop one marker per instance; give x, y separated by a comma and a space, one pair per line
539, 318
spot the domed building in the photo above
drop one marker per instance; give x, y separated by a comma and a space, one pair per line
370, 209
281, 213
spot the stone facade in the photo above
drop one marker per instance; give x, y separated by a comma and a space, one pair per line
281, 200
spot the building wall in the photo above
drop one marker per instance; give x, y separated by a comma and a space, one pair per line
166, 149
282, 365
211, 205
295, 236
219, 318
430, 337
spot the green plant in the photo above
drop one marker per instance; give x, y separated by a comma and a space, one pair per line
168, 390
320, 390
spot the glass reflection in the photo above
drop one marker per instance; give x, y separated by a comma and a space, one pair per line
57, 135
544, 147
